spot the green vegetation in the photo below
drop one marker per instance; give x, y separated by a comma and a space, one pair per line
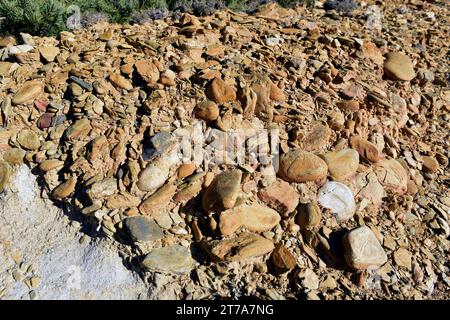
47, 17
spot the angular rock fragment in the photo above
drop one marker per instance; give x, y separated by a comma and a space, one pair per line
244, 246
362, 249
280, 196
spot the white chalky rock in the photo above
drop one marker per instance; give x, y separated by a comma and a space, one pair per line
362, 249
338, 198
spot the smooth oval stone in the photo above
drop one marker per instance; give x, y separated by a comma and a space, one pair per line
29, 91
255, 217
14, 156
64, 189
45, 121
223, 191
339, 199
50, 164
302, 166
147, 70
152, 177
143, 229
399, 67
366, 149
28, 139
5, 173
342, 164
79, 130
119, 81
207, 111
174, 259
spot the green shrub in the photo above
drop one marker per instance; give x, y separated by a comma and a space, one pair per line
47, 17
42, 17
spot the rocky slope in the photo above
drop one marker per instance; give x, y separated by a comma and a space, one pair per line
288, 154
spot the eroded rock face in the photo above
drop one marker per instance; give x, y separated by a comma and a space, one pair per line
362, 249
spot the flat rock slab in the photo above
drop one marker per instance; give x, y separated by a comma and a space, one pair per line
174, 259
246, 245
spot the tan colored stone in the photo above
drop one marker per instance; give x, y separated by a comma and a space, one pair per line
276, 93
246, 245
14, 156
5, 173
207, 110
280, 196
220, 92
301, 166
366, 149
399, 67
147, 70
254, 217
122, 200
120, 81
28, 139
157, 202
79, 130
317, 137
50, 164
223, 191
48, 53
283, 259
348, 105
308, 215
392, 175
430, 164
185, 170
65, 189
342, 164
403, 258
29, 91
